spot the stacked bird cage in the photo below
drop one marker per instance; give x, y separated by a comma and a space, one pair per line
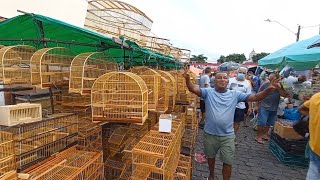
39, 140
182, 89
70, 164
163, 101
7, 159
119, 97
152, 80
183, 171
15, 64
156, 154
89, 135
51, 67
172, 88
77, 103
86, 68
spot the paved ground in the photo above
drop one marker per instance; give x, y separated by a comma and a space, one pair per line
253, 161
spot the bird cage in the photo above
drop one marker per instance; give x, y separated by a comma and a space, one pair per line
183, 171
152, 79
50, 66
181, 82
119, 97
1, 46
163, 101
15, 64
7, 158
71, 164
86, 68
172, 87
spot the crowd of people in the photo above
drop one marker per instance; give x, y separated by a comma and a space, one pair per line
226, 102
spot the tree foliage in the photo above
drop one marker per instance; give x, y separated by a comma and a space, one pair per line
238, 58
198, 58
222, 59
258, 56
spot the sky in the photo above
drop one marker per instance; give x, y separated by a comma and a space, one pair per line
208, 27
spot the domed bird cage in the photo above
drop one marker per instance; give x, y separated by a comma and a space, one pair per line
86, 68
1, 46
119, 97
51, 66
181, 82
15, 63
152, 79
172, 87
163, 101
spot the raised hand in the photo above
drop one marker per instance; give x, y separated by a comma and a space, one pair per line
275, 84
186, 73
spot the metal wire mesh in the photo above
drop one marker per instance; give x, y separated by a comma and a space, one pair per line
15, 64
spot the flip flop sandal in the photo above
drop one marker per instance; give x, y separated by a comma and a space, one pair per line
259, 141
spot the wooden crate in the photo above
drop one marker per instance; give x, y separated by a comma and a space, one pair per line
86, 68
36, 141
15, 64
119, 97
7, 158
21, 113
152, 79
286, 131
69, 164
51, 67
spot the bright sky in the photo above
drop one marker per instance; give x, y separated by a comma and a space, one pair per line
208, 27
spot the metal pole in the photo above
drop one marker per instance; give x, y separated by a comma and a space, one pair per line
298, 33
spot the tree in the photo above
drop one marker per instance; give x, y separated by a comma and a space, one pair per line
199, 58
256, 57
222, 59
238, 58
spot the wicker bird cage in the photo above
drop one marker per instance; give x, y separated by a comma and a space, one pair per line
51, 66
15, 64
86, 68
119, 97
172, 88
152, 78
7, 158
70, 164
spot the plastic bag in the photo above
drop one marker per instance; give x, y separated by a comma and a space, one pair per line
292, 114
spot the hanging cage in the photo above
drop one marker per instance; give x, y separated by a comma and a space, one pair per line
15, 63
86, 68
51, 66
119, 97
152, 80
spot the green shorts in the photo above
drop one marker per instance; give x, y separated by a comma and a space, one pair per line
212, 144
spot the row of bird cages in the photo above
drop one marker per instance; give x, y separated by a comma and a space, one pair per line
70, 164
183, 171
86, 68
76, 100
119, 97
7, 156
36, 141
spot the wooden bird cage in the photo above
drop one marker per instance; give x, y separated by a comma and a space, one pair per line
163, 101
1, 46
152, 79
15, 64
119, 97
51, 66
70, 164
172, 88
86, 68
183, 171
7, 156
89, 135
36, 141
181, 82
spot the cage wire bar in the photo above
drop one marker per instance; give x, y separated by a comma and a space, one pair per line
15, 64
119, 97
7, 155
36, 141
115, 18
152, 79
70, 164
51, 66
86, 68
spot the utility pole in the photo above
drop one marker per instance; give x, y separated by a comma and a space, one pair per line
298, 33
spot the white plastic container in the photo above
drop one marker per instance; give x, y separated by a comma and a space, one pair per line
165, 123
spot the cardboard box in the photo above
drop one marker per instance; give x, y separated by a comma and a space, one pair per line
286, 131
165, 123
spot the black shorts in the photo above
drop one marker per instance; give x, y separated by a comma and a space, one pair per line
202, 106
247, 107
239, 115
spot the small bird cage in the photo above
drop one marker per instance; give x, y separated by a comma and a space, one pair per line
181, 82
15, 63
163, 101
51, 66
172, 87
119, 97
86, 68
152, 79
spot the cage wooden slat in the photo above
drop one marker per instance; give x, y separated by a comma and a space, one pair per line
172, 88
119, 97
7, 155
152, 80
86, 68
50, 66
15, 64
